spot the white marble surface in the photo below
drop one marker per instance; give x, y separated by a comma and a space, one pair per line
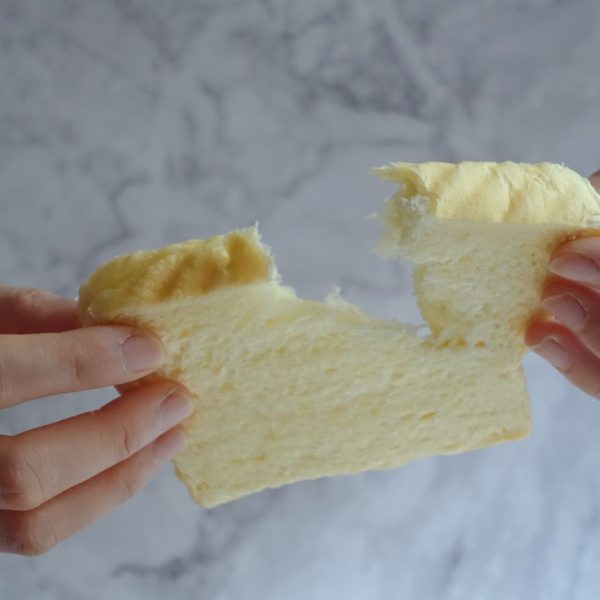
134, 123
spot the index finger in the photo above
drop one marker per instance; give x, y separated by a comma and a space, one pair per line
37, 365
29, 310
579, 260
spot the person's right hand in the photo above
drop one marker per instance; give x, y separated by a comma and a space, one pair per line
56, 479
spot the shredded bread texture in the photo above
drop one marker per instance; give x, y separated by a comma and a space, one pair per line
287, 389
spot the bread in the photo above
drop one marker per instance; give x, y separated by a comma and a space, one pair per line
287, 389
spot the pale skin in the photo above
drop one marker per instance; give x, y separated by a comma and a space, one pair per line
57, 479
569, 337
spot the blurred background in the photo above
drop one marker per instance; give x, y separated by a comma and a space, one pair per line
130, 124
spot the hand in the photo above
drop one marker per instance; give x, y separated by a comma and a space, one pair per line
56, 479
572, 295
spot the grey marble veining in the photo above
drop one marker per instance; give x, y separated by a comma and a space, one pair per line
135, 123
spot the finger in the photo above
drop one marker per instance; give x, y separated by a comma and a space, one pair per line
578, 260
28, 310
122, 388
85, 445
34, 532
36, 365
577, 307
563, 350
595, 180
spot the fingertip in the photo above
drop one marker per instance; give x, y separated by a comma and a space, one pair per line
142, 352
103, 355
169, 445
174, 409
553, 351
587, 245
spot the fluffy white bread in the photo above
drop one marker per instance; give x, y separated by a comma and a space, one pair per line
287, 389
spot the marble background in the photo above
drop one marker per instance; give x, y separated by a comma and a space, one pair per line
127, 124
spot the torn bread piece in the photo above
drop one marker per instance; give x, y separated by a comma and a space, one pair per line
289, 389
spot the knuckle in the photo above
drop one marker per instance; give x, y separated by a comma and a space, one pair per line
131, 487
21, 482
121, 437
133, 477
124, 441
78, 366
32, 534
24, 298
91, 354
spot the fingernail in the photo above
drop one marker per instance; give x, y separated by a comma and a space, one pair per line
576, 268
554, 352
174, 409
567, 309
169, 444
142, 353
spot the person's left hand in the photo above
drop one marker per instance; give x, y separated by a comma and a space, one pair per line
570, 338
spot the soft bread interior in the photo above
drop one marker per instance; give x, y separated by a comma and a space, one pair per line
288, 389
